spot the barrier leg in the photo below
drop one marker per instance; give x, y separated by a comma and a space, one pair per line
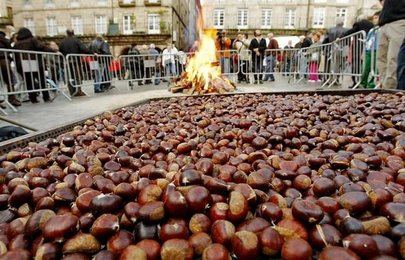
11, 106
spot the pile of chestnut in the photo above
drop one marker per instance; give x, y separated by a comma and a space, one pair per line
214, 177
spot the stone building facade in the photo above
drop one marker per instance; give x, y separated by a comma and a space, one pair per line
6, 13
122, 22
287, 17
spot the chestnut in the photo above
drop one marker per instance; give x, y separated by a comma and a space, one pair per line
222, 232
198, 199
81, 243
255, 225
271, 241
324, 187
216, 251
60, 226
321, 234
175, 204
245, 244
104, 226
296, 248
306, 211
394, 211
151, 248
199, 223
133, 252
105, 203
363, 245
199, 241
152, 211
385, 245
174, 229
47, 251
355, 202
176, 249
118, 242
335, 252
238, 207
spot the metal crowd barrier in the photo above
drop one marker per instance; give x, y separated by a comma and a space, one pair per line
326, 63
30, 73
87, 69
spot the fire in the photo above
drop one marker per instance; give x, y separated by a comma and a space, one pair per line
203, 71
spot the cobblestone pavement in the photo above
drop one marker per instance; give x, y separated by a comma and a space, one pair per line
43, 116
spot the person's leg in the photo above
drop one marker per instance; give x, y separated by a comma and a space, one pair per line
382, 53
272, 66
401, 68
366, 71
227, 65
267, 69
395, 32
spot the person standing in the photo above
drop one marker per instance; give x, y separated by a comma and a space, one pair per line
34, 76
392, 24
361, 24
72, 45
333, 54
169, 61
103, 77
287, 58
241, 45
371, 51
6, 72
154, 55
223, 45
271, 57
134, 64
314, 53
257, 47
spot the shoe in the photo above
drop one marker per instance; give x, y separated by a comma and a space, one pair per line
15, 102
2, 106
311, 81
271, 80
140, 84
261, 82
47, 101
79, 94
98, 91
34, 101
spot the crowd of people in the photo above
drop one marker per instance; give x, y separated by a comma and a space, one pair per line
313, 57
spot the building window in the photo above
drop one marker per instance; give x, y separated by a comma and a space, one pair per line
341, 15
102, 2
127, 24
318, 20
153, 24
74, 3
242, 18
51, 26
289, 18
266, 18
49, 3
219, 18
77, 25
101, 24
30, 25
27, 3
342, 1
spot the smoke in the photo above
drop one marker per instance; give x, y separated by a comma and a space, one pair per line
195, 22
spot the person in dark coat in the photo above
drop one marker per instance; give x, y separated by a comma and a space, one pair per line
72, 45
6, 72
103, 76
361, 24
34, 79
258, 47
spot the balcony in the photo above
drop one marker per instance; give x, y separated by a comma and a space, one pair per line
126, 3
5, 21
153, 2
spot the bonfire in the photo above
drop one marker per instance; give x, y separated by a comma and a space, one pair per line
203, 71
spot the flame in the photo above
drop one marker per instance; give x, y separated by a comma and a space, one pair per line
203, 70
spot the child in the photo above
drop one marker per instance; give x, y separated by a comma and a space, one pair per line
314, 51
371, 54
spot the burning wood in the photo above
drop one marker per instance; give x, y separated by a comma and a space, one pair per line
203, 71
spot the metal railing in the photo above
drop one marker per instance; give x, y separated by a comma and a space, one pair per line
30, 73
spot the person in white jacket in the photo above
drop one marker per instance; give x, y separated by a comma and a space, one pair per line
168, 60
